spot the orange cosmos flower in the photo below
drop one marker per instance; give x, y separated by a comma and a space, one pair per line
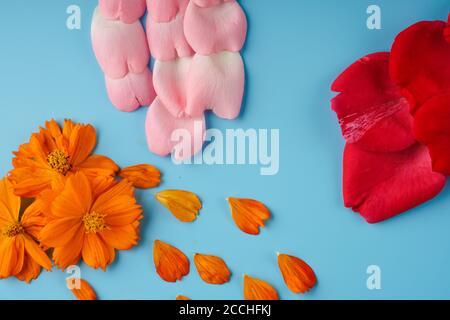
90, 219
53, 153
20, 255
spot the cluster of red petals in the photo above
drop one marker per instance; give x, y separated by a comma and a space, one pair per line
394, 112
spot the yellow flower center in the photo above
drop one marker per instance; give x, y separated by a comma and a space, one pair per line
13, 230
59, 161
94, 222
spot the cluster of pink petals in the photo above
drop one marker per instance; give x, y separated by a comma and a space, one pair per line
198, 67
119, 44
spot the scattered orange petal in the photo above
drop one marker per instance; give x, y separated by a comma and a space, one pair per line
297, 274
180, 297
85, 292
212, 269
249, 215
256, 289
143, 176
171, 264
184, 205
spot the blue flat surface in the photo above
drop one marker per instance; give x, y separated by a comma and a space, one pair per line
295, 48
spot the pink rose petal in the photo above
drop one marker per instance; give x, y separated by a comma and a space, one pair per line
189, 86
165, 10
213, 29
128, 11
166, 39
119, 48
132, 91
209, 3
164, 133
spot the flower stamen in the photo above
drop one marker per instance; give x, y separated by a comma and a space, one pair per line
94, 222
59, 161
13, 230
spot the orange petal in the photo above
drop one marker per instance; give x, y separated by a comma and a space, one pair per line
36, 252
184, 205
96, 253
180, 297
85, 292
97, 165
82, 142
297, 274
212, 269
249, 215
171, 264
10, 201
143, 176
30, 270
256, 289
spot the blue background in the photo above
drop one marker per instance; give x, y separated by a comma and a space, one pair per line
293, 52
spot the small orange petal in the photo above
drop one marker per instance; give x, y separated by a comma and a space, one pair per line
212, 269
256, 289
249, 215
184, 205
84, 292
180, 297
297, 274
171, 264
143, 176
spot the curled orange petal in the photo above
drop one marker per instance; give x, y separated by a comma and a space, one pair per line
184, 205
180, 297
84, 291
249, 215
212, 269
256, 289
297, 274
142, 176
171, 264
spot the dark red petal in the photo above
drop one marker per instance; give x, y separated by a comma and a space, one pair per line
420, 62
370, 109
382, 185
432, 127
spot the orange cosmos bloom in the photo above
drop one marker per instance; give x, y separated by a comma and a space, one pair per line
53, 153
20, 255
90, 219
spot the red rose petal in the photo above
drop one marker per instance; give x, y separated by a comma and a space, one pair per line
420, 61
382, 185
370, 109
432, 127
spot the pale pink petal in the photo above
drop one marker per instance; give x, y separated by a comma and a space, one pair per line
216, 82
166, 39
209, 3
120, 48
170, 81
166, 133
189, 86
132, 91
165, 10
213, 29
128, 11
